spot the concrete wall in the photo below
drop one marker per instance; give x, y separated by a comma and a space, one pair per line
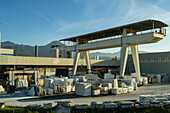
42, 61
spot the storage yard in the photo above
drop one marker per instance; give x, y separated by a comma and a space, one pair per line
65, 83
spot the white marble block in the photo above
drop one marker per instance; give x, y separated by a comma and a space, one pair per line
104, 90
83, 89
91, 76
115, 83
108, 76
145, 80
95, 92
1, 88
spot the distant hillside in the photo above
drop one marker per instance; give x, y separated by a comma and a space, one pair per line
27, 50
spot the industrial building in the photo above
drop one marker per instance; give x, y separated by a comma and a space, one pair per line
152, 63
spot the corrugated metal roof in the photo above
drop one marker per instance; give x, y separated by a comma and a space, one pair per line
138, 26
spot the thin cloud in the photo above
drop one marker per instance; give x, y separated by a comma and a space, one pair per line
41, 16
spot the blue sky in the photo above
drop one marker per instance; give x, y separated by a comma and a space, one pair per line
38, 22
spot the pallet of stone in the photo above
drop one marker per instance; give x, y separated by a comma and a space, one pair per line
81, 106
116, 91
126, 104
83, 89
146, 98
110, 105
95, 92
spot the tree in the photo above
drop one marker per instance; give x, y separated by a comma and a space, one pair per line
116, 58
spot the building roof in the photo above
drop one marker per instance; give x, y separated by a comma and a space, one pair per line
138, 26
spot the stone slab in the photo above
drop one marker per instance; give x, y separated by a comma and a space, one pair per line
108, 76
110, 105
83, 106
91, 76
83, 89
62, 109
99, 105
34, 106
146, 98
48, 106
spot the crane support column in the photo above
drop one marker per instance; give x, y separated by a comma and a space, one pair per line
124, 55
135, 56
87, 58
